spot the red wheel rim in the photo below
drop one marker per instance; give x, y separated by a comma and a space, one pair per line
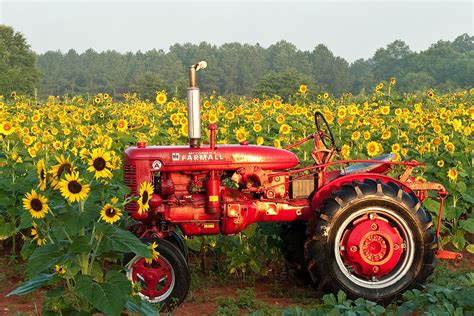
156, 279
372, 246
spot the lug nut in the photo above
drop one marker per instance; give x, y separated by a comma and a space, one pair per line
353, 248
374, 226
375, 269
396, 247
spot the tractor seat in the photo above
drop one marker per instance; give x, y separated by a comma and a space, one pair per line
367, 167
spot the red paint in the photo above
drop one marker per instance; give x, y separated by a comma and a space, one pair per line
224, 157
372, 247
448, 255
157, 276
323, 193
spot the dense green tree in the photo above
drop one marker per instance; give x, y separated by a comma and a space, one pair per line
282, 84
18, 69
252, 70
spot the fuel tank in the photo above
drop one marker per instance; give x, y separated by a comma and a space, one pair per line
224, 157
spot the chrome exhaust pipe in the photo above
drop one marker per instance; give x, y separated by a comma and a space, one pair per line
194, 106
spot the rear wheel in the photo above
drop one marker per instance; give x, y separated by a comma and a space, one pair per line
372, 240
166, 280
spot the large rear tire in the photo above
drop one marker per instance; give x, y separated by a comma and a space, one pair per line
166, 280
371, 240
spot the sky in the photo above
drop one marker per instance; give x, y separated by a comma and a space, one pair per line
350, 29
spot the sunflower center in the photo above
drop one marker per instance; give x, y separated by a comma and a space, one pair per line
42, 175
74, 187
110, 212
99, 163
64, 167
36, 205
145, 197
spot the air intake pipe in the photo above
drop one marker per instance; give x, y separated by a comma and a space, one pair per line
194, 106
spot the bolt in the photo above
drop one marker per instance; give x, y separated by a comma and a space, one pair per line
404, 246
374, 278
375, 269
374, 226
396, 247
353, 248
342, 248
371, 215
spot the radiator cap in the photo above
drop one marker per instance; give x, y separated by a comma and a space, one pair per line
141, 144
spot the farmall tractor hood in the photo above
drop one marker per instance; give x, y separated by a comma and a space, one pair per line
224, 157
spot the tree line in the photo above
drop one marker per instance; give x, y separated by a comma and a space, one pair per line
243, 69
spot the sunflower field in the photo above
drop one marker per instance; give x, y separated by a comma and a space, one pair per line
61, 184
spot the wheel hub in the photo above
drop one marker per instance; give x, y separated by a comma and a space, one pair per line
155, 279
372, 247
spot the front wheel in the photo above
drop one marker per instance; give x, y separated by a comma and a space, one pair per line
372, 240
165, 280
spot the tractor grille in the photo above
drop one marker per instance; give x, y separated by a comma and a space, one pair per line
130, 180
302, 188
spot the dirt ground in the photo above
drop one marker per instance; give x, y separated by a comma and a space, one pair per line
203, 298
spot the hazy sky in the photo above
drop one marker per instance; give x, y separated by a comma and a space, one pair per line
351, 29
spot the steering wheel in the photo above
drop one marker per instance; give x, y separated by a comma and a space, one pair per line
320, 120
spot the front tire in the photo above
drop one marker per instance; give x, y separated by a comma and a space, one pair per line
166, 280
372, 240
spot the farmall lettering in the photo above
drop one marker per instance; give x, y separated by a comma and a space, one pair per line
197, 156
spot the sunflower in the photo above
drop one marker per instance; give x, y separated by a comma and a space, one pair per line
99, 163
346, 151
122, 125
110, 214
230, 115
303, 88
59, 269
285, 129
355, 135
35, 233
257, 128
64, 165
450, 147
259, 140
36, 204
452, 174
241, 134
41, 170
154, 254
276, 143
97, 100
213, 118
280, 119
72, 189
6, 128
145, 191
161, 98
440, 163
374, 148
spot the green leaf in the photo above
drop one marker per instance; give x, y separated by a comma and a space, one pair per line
468, 225
458, 240
468, 197
250, 230
117, 239
193, 243
6, 229
136, 305
44, 258
254, 266
470, 248
80, 244
106, 297
461, 187
55, 292
32, 284
120, 280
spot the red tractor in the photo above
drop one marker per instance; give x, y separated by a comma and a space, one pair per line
354, 228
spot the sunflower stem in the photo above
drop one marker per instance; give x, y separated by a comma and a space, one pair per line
94, 252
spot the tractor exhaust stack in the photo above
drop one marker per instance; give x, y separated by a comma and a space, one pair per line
194, 106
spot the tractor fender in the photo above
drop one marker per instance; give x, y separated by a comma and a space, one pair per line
322, 194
